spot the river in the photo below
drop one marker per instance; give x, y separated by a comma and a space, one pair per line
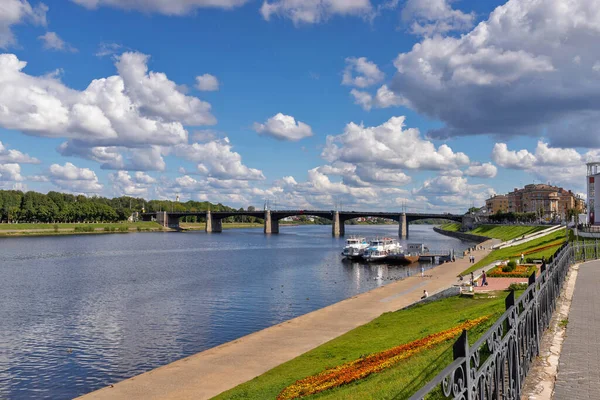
78, 313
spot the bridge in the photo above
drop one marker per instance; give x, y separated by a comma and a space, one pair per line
271, 218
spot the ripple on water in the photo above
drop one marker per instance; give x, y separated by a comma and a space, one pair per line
81, 312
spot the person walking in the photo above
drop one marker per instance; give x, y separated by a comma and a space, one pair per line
472, 279
483, 278
422, 271
522, 258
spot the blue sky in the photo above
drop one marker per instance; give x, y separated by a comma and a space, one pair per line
435, 104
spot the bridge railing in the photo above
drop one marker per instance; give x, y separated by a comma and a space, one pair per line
495, 367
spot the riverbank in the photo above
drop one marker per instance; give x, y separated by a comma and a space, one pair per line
15, 230
221, 368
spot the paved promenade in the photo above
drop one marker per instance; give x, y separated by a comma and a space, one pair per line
579, 364
216, 370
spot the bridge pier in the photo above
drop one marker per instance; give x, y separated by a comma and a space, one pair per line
271, 224
337, 226
164, 219
403, 227
213, 225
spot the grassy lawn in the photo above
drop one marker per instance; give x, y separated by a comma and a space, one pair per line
502, 232
385, 332
74, 225
505, 232
544, 246
451, 227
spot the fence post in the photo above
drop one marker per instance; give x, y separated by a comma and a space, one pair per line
461, 349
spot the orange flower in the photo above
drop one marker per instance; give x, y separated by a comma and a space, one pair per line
365, 366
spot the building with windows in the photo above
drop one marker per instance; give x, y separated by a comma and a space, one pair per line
546, 201
496, 203
593, 187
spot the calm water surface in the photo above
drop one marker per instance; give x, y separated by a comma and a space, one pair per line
80, 312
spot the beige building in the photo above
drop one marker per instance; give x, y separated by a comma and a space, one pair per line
546, 201
496, 203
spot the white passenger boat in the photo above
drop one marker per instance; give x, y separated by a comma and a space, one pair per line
379, 249
355, 247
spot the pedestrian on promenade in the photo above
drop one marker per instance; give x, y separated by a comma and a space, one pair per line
472, 279
422, 271
473, 259
425, 294
483, 278
522, 258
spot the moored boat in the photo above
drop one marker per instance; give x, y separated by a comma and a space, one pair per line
380, 249
355, 247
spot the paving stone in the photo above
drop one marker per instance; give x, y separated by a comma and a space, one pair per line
579, 365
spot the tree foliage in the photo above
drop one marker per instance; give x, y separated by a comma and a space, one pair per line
53, 207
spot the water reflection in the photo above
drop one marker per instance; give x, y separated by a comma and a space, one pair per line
82, 312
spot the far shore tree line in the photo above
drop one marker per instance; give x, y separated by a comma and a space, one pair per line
54, 207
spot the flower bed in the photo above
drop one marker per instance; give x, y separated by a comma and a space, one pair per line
365, 366
521, 271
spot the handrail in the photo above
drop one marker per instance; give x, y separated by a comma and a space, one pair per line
496, 365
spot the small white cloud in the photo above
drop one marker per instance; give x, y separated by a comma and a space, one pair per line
284, 127
108, 49
207, 83
486, 170
52, 41
361, 73
74, 179
170, 7
314, 11
13, 12
435, 16
15, 156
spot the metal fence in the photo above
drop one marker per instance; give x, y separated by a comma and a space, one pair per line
495, 366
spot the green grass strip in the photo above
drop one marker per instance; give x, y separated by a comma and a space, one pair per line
389, 330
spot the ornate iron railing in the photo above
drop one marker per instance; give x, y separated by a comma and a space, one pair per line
496, 365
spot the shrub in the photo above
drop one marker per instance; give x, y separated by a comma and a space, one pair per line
55, 227
84, 229
106, 229
123, 229
518, 286
139, 228
509, 267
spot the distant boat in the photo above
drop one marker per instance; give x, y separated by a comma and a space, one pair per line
380, 249
355, 247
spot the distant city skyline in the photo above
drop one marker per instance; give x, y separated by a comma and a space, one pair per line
432, 104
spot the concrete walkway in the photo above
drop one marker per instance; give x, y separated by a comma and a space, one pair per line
216, 370
579, 364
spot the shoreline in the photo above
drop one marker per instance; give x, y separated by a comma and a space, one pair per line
49, 229
216, 370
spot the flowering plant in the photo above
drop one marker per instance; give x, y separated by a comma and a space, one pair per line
365, 366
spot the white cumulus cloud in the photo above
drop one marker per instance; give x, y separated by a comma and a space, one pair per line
361, 73
284, 127
170, 7
216, 159
509, 76
314, 11
207, 83
15, 156
13, 12
52, 41
429, 17
74, 179
392, 146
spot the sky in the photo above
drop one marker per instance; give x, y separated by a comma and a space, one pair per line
423, 105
